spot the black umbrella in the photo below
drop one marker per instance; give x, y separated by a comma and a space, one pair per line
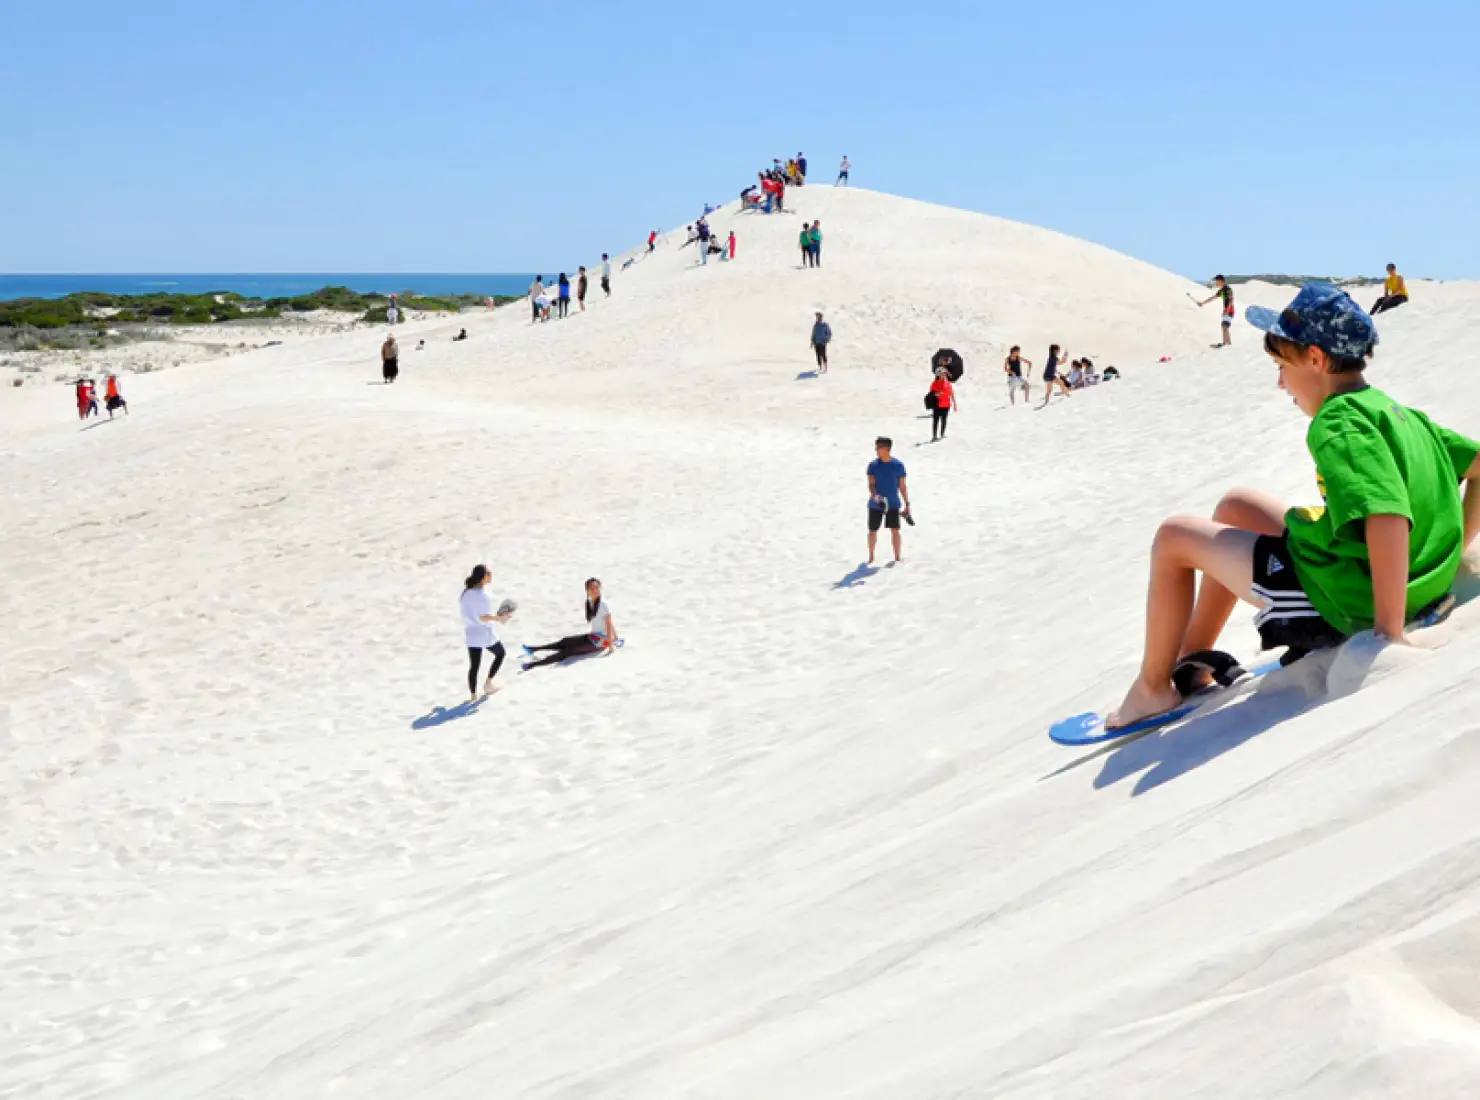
954, 364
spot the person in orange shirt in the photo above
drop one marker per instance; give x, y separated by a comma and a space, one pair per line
113, 398
945, 401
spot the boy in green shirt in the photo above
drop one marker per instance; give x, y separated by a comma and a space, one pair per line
1387, 543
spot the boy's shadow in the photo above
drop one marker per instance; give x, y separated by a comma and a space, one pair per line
807, 374
857, 576
438, 715
1166, 754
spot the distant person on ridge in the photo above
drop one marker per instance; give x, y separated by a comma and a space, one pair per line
562, 301
821, 337
390, 359
886, 488
801, 169
945, 401
652, 240
1394, 291
1225, 293
606, 275
581, 289
1386, 546
1013, 366
536, 292
843, 173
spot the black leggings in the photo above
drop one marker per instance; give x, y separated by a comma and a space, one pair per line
938, 424
1386, 302
475, 658
821, 350
577, 645
562, 307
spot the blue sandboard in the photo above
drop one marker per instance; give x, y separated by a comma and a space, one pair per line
1089, 728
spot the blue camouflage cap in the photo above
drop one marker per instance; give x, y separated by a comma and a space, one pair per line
1323, 315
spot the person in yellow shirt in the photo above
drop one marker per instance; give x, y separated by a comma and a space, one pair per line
1394, 291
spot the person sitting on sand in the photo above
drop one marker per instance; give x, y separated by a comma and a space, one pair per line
421, 345
1015, 366
1394, 292
462, 334
1387, 544
1075, 377
600, 636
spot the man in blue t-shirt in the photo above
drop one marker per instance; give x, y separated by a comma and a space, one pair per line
886, 488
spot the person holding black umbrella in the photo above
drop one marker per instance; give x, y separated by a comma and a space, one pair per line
945, 400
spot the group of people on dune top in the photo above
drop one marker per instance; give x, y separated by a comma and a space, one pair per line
86, 395
1394, 294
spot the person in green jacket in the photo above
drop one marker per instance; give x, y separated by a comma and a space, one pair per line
1386, 545
804, 239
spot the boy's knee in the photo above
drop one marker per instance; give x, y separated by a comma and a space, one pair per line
1172, 535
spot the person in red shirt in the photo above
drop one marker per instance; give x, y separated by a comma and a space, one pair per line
652, 240
731, 244
113, 398
945, 401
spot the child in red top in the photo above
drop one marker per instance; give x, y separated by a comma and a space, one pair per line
945, 401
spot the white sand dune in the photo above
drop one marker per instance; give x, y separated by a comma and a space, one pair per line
805, 835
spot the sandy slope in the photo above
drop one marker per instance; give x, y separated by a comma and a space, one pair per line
804, 836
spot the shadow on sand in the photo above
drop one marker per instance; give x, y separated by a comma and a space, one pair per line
439, 715
859, 575
807, 375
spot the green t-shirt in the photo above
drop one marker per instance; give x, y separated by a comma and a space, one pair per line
1375, 457
806, 238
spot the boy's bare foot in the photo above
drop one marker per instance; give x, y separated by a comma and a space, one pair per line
1143, 701
489, 687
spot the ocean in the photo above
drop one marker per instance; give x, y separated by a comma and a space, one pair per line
263, 285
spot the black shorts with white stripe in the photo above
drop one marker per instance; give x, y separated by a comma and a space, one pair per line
1288, 617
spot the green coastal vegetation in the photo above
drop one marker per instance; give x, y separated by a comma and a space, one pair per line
1301, 280
103, 311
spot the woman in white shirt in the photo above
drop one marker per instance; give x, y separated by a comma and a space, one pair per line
600, 636
478, 618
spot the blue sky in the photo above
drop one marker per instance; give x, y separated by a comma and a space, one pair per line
458, 136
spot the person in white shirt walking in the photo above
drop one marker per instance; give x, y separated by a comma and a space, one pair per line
843, 173
606, 275
536, 292
478, 628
